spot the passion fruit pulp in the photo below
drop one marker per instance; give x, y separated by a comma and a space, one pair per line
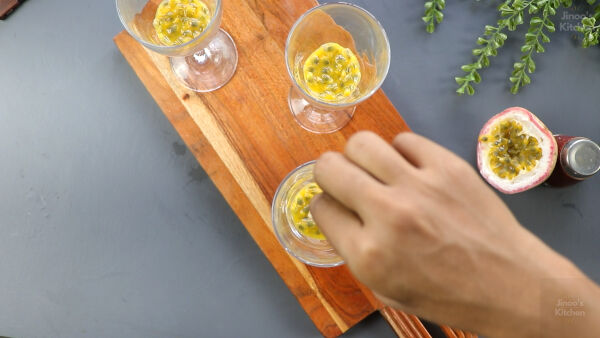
179, 21
332, 72
515, 151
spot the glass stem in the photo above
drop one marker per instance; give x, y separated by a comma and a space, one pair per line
203, 56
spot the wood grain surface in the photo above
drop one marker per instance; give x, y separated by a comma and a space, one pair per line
246, 139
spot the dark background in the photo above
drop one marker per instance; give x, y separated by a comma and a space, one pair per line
108, 226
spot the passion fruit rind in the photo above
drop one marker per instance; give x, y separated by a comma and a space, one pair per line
515, 151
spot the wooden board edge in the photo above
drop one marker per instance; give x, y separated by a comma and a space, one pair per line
410, 326
404, 325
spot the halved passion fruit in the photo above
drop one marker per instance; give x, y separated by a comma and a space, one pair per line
515, 151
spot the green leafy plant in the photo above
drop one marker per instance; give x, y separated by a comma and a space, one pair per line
433, 14
512, 14
590, 31
589, 28
535, 32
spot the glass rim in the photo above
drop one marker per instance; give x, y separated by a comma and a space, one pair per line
165, 47
343, 104
273, 220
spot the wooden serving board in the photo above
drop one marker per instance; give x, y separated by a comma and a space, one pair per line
246, 139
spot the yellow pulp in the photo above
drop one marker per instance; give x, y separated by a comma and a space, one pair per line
300, 213
511, 151
179, 21
331, 72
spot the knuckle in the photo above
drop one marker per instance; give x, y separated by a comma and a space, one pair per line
369, 257
365, 185
327, 156
432, 181
323, 162
391, 205
360, 141
415, 223
403, 137
456, 168
401, 213
376, 196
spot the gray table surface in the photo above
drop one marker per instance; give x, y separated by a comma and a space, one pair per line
108, 226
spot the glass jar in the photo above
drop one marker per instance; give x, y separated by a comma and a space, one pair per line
578, 159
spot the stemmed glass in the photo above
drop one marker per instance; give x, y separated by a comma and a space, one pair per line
311, 251
351, 27
202, 64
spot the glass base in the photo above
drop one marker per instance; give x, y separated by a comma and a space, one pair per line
316, 119
209, 68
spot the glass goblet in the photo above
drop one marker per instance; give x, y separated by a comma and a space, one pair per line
351, 27
311, 251
203, 64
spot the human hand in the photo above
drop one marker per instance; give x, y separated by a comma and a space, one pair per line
416, 224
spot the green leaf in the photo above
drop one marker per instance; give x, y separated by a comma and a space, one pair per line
531, 66
514, 89
532, 9
519, 19
430, 28
485, 61
439, 17
588, 21
539, 48
470, 90
545, 38
535, 20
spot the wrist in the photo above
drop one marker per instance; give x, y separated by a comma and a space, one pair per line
569, 306
564, 301
550, 297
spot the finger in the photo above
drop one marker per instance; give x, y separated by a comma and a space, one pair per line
346, 182
376, 156
420, 151
340, 226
